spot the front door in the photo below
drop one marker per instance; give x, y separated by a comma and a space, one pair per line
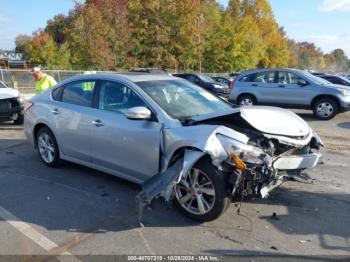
130, 148
290, 92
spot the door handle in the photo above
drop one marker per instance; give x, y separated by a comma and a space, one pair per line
254, 84
97, 123
55, 111
281, 86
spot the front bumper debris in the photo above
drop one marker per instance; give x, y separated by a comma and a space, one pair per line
162, 184
297, 161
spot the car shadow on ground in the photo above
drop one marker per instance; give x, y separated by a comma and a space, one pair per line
309, 117
73, 198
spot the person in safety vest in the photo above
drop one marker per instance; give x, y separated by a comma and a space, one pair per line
42, 80
88, 86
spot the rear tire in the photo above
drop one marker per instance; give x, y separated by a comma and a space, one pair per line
325, 108
48, 148
246, 100
203, 195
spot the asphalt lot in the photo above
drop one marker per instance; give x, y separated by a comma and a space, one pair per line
79, 211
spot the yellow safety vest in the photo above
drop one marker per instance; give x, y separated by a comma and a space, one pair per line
45, 82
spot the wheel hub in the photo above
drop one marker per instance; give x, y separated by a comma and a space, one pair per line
196, 193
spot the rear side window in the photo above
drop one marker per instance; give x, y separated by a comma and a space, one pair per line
79, 93
264, 77
248, 78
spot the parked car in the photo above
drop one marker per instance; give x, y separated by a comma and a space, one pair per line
227, 81
171, 135
207, 83
318, 74
338, 80
11, 108
234, 74
290, 88
149, 70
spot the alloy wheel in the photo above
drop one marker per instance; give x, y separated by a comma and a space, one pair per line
46, 147
195, 192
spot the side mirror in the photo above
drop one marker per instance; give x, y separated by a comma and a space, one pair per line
302, 82
138, 113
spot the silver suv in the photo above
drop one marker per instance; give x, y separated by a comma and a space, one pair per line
290, 88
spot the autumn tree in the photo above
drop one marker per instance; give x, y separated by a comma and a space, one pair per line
42, 50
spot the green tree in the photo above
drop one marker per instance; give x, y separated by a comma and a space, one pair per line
337, 61
21, 42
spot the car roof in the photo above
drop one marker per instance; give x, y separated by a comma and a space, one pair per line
261, 70
132, 77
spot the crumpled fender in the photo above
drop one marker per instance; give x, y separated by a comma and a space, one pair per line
201, 137
162, 184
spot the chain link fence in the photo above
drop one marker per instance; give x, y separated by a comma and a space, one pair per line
23, 80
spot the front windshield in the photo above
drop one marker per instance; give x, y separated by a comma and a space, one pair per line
206, 78
316, 79
181, 99
2, 85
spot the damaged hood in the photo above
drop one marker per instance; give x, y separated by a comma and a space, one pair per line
6, 93
276, 121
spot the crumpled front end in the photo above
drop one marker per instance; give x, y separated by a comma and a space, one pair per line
256, 162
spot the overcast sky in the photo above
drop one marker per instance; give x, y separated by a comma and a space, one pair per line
325, 22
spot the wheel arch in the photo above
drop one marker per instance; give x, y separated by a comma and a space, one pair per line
316, 98
246, 93
36, 129
180, 152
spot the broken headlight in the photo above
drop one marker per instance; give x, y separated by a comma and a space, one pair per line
246, 153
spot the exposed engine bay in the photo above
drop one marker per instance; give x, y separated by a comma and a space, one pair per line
260, 177
257, 147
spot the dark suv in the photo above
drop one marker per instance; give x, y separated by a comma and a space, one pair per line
207, 83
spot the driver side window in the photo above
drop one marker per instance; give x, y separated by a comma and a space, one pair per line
116, 97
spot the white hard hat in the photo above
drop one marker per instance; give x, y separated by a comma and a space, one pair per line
36, 69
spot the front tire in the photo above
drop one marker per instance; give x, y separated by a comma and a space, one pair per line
325, 108
203, 194
48, 148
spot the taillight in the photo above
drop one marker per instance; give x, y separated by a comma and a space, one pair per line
232, 85
27, 105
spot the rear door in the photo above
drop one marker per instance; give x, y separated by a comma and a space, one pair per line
265, 85
72, 113
130, 148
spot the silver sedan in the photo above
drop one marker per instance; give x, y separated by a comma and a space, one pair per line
176, 139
